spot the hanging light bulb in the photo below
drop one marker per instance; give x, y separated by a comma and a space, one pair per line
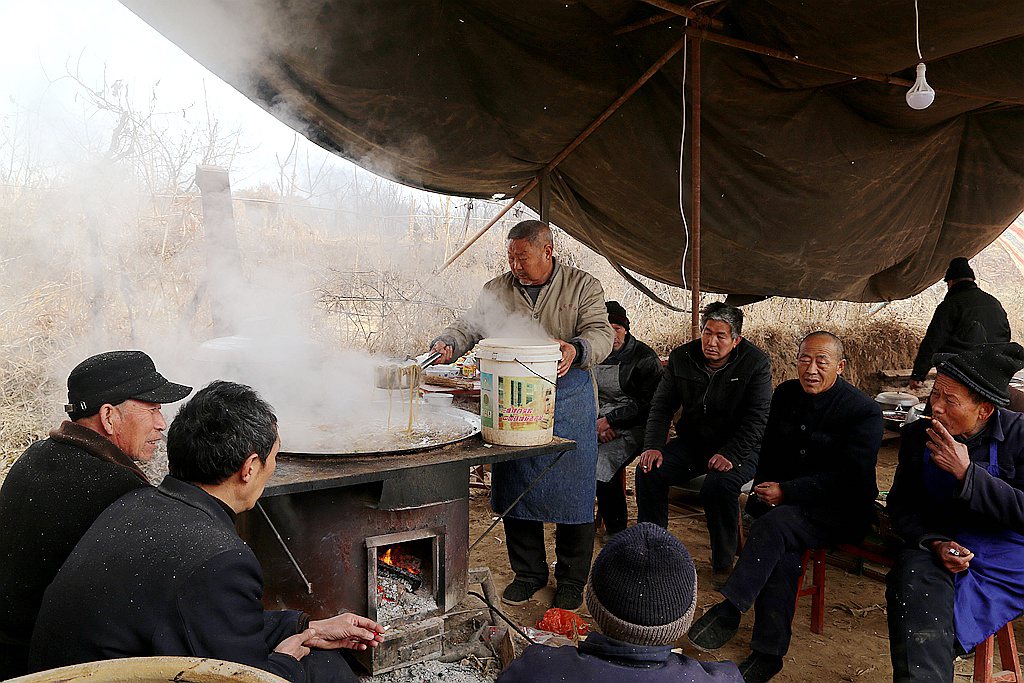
921, 95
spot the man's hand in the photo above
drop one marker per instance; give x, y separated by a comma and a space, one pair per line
916, 384
568, 356
948, 453
953, 556
605, 432
346, 631
295, 646
719, 463
769, 492
650, 460
443, 349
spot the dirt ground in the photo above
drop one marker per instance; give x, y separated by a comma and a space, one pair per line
853, 647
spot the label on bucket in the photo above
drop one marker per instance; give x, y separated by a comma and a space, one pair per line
521, 404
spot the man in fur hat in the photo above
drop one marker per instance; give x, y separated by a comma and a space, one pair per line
60, 485
642, 594
966, 316
958, 502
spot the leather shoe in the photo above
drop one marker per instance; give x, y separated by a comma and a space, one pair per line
717, 627
760, 667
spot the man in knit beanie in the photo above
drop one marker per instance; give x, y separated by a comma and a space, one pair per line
957, 500
967, 316
642, 594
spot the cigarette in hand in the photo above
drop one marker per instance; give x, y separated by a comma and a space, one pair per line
954, 551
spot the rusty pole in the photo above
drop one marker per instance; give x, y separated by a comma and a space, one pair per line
695, 186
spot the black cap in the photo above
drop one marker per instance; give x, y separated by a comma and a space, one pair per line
114, 377
985, 369
959, 269
617, 314
643, 587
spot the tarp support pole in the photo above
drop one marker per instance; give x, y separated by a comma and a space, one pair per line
686, 12
560, 157
694, 185
544, 181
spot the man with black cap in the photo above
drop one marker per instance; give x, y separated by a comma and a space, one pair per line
642, 594
60, 485
626, 382
957, 501
162, 571
967, 316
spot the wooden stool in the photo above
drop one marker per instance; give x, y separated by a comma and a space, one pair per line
1007, 657
817, 588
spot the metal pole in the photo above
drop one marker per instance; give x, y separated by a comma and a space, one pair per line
696, 17
695, 185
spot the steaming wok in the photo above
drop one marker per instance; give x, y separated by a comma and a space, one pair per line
432, 427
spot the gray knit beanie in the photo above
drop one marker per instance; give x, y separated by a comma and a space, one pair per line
643, 587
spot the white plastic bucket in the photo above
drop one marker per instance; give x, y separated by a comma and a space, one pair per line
517, 390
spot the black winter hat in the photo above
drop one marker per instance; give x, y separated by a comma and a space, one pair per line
617, 314
959, 269
114, 377
643, 587
986, 369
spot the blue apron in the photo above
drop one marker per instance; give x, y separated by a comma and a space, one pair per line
565, 494
990, 593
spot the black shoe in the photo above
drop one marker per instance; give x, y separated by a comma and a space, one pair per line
717, 627
518, 592
568, 597
760, 667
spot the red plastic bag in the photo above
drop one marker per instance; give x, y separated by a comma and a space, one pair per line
564, 622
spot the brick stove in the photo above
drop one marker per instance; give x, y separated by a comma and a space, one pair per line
338, 515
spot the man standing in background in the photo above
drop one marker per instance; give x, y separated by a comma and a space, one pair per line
569, 305
966, 317
60, 485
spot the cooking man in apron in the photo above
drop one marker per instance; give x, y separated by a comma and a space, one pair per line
566, 304
958, 502
626, 382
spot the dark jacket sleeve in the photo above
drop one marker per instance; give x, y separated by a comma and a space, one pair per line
939, 330
663, 406
851, 470
905, 503
645, 378
993, 498
221, 616
758, 396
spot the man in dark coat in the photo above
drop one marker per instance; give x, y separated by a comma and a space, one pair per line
815, 487
626, 382
723, 384
642, 594
967, 316
163, 572
957, 500
60, 485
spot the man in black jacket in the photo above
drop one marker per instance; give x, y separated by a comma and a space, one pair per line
815, 487
957, 500
60, 485
163, 572
723, 384
626, 382
966, 317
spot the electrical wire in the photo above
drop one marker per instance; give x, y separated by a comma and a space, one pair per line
917, 31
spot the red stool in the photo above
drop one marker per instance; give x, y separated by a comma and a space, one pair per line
816, 590
1008, 658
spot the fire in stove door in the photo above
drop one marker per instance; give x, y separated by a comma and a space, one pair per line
406, 578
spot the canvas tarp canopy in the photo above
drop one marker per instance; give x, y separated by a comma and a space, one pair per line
815, 184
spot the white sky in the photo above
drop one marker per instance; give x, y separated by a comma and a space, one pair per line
41, 39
